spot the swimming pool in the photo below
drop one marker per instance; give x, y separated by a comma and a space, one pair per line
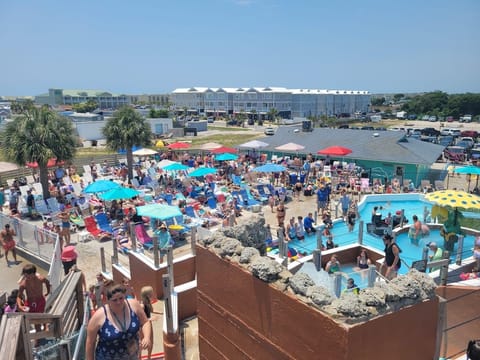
411, 204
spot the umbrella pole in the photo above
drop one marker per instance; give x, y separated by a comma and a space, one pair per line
469, 180
448, 178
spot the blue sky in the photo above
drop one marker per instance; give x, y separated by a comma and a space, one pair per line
154, 46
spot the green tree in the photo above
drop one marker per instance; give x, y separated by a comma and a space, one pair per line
85, 107
126, 129
398, 97
39, 135
377, 101
272, 114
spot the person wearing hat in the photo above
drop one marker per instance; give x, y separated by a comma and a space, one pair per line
437, 254
69, 258
164, 237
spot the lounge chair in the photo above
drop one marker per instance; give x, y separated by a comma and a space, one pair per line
92, 227
103, 222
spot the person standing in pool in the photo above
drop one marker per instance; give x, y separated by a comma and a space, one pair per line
392, 257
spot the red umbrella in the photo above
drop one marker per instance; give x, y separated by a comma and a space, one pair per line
179, 145
335, 151
224, 149
51, 163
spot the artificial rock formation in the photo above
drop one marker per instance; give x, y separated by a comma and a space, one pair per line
245, 244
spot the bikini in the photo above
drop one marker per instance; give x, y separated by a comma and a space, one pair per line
114, 344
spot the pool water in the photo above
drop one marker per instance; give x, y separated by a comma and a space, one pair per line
409, 252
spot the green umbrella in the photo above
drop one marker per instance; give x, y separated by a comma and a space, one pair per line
119, 193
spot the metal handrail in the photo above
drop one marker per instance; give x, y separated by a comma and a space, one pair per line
83, 329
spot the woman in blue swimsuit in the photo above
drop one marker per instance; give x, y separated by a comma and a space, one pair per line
117, 325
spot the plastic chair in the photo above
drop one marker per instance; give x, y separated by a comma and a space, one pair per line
103, 222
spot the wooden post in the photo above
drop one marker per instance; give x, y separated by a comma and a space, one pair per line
170, 264
193, 239
372, 275
102, 259
459, 250
115, 251
360, 232
156, 252
319, 239
441, 322
167, 291
317, 259
280, 243
444, 269
337, 283
133, 237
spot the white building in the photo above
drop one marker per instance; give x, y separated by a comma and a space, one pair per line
104, 99
288, 103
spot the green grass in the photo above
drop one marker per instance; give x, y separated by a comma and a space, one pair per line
227, 128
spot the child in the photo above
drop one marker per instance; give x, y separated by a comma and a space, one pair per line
352, 287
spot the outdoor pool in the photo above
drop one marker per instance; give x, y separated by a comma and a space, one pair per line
411, 204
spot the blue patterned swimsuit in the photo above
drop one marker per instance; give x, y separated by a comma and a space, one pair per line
113, 344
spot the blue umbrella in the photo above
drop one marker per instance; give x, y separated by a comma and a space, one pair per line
159, 211
101, 186
175, 167
119, 193
470, 170
202, 171
270, 168
226, 157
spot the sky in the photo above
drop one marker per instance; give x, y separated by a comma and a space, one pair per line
155, 46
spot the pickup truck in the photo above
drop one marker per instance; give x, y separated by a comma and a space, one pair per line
430, 131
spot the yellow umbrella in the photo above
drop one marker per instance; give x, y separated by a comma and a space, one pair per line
454, 199
160, 144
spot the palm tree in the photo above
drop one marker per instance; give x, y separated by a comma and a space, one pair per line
272, 114
126, 129
39, 135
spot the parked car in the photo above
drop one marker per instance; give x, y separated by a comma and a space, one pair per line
466, 144
269, 131
412, 117
426, 117
430, 131
455, 154
455, 132
446, 140
470, 133
466, 118
432, 118
210, 119
450, 119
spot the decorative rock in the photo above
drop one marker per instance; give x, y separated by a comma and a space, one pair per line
228, 247
350, 305
319, 295
247, 254
300, 283
250, 234
374, 297
265, 269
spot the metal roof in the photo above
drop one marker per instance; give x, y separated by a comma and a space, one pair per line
388, 146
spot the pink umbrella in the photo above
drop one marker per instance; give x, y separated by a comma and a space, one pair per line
290, 147
224, 149
335, 151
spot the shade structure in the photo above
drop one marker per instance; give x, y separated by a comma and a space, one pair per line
202, 171
159, 144
159, 211
270, 168
224, 149
335, 151
101, 186
179, 145
144, 152
290, 147
254, 144
123, 151
470, 170
226, 157
175, 167
51, 163
210, 146
119, 193
165, 162
455, 199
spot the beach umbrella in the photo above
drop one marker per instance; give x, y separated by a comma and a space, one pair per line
224, 149
175, 167
202, 171
210, 146
51, 163
290, 147
119, 193
179, 145
144, 152
159, 211
254, 144
101, 186
470, 170
335, 151
269, 167
160, 144
455, 199
226, 157
165, 162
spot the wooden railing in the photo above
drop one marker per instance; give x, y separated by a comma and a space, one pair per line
63, 317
